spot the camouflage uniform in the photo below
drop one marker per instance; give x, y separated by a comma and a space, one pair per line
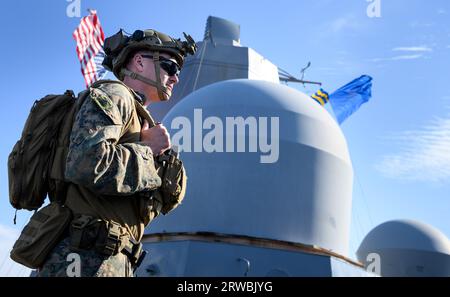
92, 264
109, 170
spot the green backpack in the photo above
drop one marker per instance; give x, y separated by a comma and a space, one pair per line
35, 169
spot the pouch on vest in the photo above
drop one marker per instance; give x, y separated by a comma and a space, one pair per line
42, 233
173, 180
170, 169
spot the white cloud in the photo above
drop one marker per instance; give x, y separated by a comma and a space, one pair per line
415, 52
421, 25
424, 154
441, 11
339, 24
8, 267
407, 57
343, 23
342, 52
422, 48
396, 58
448, 46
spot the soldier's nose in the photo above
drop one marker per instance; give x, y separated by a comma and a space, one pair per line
174, 79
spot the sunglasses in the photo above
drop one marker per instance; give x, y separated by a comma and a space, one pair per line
167, 65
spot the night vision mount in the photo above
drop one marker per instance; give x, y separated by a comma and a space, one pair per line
149, 39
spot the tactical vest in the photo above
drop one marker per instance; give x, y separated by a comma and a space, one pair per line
133, 213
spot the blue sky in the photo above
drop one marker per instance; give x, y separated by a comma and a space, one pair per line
399, 142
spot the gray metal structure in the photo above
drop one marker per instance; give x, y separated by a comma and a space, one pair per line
244, 217
407, 248
303, 197
195, 257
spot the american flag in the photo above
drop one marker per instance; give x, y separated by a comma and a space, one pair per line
90, 37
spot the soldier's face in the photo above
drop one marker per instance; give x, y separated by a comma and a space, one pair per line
168, 81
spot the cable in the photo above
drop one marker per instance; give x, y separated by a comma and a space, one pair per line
366, 205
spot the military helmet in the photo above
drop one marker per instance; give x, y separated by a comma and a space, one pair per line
119, 47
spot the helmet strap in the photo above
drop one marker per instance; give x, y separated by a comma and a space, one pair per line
157, 84
158, 75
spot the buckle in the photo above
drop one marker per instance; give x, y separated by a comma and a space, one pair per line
81, 222
135, 253
163, 158
112, 240
140, 259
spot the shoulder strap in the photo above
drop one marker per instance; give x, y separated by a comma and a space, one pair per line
141, 110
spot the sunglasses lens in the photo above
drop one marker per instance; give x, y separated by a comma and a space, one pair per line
170, 67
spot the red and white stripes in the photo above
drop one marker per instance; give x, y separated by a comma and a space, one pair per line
90, 37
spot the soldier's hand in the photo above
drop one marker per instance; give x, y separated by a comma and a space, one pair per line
157, 138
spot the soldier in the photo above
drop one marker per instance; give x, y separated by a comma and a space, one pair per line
113, 179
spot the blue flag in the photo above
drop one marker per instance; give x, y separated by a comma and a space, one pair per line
347, 99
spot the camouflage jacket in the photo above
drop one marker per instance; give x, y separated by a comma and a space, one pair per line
107, 166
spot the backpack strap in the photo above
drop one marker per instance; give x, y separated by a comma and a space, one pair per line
143, 112
59, 186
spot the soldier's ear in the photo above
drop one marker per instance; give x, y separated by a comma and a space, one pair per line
138, 61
